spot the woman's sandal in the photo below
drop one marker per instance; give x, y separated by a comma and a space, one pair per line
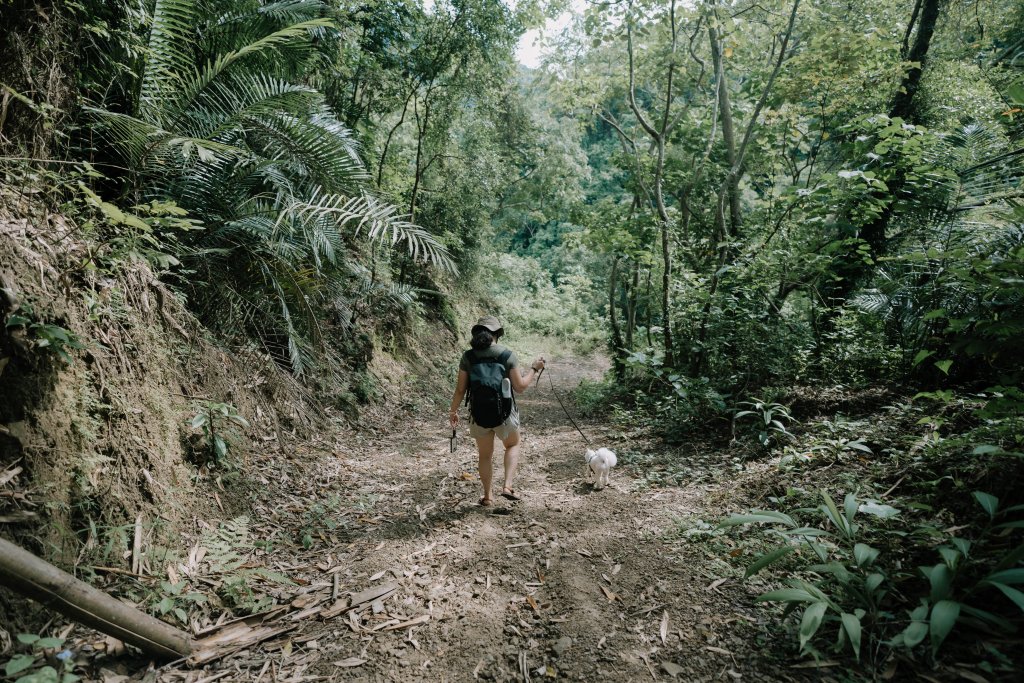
510, 494
485, 502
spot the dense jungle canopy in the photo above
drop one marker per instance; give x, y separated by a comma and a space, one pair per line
793, 228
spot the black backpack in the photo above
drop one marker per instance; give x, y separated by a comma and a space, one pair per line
486, 404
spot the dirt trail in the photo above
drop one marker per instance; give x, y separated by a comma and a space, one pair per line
568, 583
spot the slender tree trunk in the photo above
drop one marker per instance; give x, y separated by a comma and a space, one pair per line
631, 291
903, 100
730, 188
617, 347
391, 134
421, 134
850, 269
648, 309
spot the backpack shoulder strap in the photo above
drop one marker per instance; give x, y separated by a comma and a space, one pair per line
475, 359
505, 355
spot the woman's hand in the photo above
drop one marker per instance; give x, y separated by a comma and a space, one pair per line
538, 364
453, 418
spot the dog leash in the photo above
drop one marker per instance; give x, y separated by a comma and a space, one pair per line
552, 384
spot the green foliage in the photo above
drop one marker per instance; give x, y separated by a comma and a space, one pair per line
228, 548
31, 667
529, 302
50, 337
223, 126
852, 577
216, 422
767, 420
174, 600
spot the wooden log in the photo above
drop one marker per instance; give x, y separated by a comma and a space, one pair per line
39, 580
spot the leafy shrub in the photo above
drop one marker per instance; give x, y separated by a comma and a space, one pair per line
43, 335
35, 664
851, 578
767, 420
216, 422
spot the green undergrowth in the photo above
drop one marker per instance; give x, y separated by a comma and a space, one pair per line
894, 541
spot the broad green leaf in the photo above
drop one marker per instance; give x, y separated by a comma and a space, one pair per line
18, 663
1016, 93
787, 595
944, 366
832, 512
47, 674
941, 579
836, 569
1012, 593
986, 449
963, 545
921, 355
811, 622
951, 556
1007, 576
165, 605
987, 618
766, 560
915, 633
27, 638
944, 616
850, 507
49, 642
1019, 524
759, 517
865, 555
873, 581
877, 509
807, 531
920, 612
851, 624
987, 501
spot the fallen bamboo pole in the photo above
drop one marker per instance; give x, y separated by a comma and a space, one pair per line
39, 580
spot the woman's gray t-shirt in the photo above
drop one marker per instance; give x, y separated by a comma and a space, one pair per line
492, 351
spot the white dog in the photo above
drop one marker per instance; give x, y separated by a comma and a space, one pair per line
599, 465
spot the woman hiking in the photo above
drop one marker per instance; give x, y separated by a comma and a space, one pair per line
489, 372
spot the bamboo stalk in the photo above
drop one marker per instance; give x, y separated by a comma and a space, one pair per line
39, 580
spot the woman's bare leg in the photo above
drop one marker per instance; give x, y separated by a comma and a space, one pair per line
511, 459
485, 449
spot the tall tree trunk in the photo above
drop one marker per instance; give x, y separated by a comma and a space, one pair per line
391, 134
617, 348
421, 133
648, 309
730, 188
903, 100
631, 291
850, 269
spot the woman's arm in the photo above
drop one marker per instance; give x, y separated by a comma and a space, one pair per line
460, 393
521, 381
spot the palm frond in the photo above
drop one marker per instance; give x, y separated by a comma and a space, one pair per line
171, 54
379, 220
192, 87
